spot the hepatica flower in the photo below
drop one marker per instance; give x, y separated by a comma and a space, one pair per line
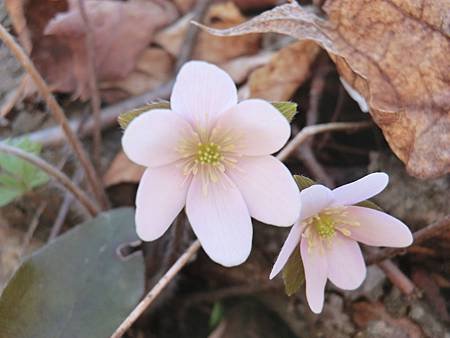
329, 229
212, 155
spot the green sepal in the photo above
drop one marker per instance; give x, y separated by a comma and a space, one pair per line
287, 109
303, 182
293, 273
124, 119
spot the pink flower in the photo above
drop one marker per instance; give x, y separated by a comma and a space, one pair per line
212, 154
328, 230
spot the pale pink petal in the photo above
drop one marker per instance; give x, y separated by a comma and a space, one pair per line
220, 219
346, 267
256, 127
268, 188
361, 190
152, 138
314, 199
316, 271
378, 228
291, 243
160, 198
202, 91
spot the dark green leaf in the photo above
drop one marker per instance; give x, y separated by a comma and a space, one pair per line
124, 119
303, 182
216, 314
288, 109
369, 204
76, 286
293, 273
18, 176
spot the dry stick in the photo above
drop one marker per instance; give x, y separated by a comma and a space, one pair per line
58, 114
420, 236
156, 290
397, 277
93, 85
65, 181
301, 137
32, 228
53, 136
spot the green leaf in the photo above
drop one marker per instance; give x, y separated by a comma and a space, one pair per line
303, 182
18, 176
293, 273
77, 286
287, 108
124, 119
216, 314
369, 204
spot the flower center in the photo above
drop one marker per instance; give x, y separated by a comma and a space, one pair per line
324, 225
208, 153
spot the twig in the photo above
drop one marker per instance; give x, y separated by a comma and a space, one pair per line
13, 97
53, 136
93, 85
64, 209
422, 235
32, 228
55, 173
156, 290
397, 277
307, 132
58, 114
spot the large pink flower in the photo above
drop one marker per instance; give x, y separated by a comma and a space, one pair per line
212, 154
328, 230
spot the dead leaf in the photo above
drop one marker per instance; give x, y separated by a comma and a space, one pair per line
241, 67
211, 48
122, 170
122, 30
286, 71
364, 312
395, 54
154, 67
255, 4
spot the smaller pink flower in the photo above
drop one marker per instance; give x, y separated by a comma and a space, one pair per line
329, 229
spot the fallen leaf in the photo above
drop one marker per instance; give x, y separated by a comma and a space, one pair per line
395, 54
241, 67
122, 31
211, 48
364, 312
122, 170
154, 67
288, 69
255, 4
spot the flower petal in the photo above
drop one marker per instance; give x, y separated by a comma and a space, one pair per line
256, 125
268, 188
289, 245
316, 271
361, 190
346, 267
160, 198
313, 199
202, 91
378, 228
220, 219
152, 138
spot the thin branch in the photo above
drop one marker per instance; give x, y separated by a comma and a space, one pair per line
65, 181
157, 289
422, 235
93, 85
307, 132
58, 114
397, 277
53, 136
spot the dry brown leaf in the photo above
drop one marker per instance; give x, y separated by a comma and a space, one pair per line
286, 71
211, 48
154, 67
255, 4
395, 54
122, 170
240, 68
122, 30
